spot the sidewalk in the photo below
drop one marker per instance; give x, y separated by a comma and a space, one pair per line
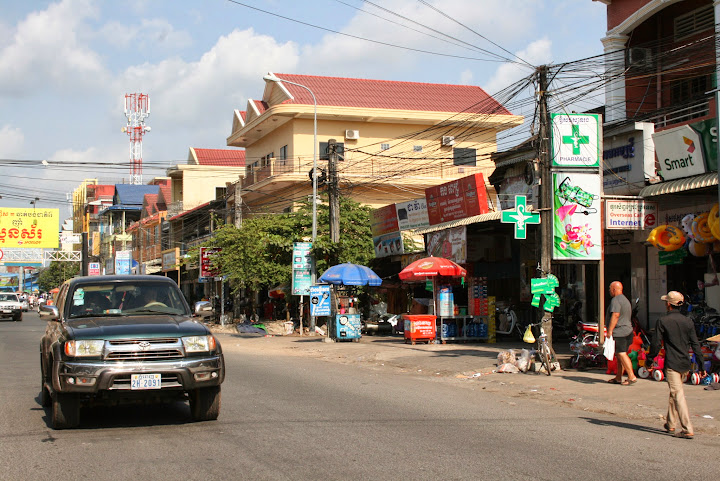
475, 362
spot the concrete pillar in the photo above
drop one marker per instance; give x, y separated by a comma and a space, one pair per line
614, 46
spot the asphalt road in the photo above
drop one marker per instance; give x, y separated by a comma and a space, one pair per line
301, 418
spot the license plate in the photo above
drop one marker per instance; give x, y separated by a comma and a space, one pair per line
7, 311
145, 381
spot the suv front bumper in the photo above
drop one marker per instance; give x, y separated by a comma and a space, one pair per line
177, 375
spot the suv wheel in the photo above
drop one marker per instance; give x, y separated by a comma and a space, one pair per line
18, 318
205, 403
65, 411
45, 399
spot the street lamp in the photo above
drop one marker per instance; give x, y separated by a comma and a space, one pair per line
34, 202
271, 77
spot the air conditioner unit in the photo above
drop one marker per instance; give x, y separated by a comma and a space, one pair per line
352, 134
639, 57
448, 140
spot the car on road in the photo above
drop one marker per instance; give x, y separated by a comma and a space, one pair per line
120, 339
10, 306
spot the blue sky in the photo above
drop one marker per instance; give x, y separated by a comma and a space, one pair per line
66, 65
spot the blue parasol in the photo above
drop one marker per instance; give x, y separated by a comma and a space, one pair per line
351, 275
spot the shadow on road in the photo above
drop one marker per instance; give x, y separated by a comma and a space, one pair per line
620, 424
585, 380
130, 416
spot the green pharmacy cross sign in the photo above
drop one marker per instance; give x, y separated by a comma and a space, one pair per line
576, 139
545, 287
520, 217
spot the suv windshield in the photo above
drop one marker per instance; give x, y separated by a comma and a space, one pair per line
126, 298
8, 297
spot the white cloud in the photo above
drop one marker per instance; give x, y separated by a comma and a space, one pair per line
466, 77
538, 52
156, 32
424, 29
46, 51
191, 94
12, 142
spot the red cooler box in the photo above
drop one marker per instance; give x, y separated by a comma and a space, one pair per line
419, 327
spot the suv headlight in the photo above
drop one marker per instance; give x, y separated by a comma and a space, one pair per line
84, 348
199, 343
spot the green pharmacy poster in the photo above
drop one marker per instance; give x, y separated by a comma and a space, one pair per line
577, 221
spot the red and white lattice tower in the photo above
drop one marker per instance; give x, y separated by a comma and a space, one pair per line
137, 109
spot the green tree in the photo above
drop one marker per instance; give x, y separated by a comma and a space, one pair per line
259, 254
57, 273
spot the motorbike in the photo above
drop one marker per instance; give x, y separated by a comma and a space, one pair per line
586, 347
506, 322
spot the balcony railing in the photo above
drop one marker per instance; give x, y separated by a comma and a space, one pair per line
694, 111
174, 208
386, 168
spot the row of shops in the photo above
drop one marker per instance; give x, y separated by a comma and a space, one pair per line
598, 227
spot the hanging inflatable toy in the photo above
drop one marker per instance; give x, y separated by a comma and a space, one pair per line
699, 249
714, 221
666, 238
701, 229
686, 224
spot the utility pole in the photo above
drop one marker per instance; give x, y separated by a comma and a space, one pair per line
333, 192
546, 189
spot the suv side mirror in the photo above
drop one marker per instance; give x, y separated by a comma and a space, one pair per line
50, 313
203, 309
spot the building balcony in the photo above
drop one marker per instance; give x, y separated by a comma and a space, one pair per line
174, 208
677, 116
408, 171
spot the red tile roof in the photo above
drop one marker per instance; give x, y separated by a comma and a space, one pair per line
150, 204
164, 197
261, 105
384, 94
220, 157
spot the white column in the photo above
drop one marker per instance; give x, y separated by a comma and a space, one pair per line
614, 46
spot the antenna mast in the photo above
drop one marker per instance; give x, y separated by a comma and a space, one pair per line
137, 109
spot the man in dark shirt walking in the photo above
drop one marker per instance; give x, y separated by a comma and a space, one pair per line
677, 333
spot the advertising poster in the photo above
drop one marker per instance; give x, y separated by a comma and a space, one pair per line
631, 214
302, 268
384, 220
577, 222
679, 152
123, 262
320, 300
575, 140
458, 199
412, 214
388, 245
29, 227
207, 269
449, 243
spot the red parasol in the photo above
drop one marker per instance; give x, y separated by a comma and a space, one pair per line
431, 267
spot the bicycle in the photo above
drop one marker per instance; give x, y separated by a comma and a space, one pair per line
543, 349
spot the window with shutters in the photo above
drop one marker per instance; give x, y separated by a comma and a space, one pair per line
698, 20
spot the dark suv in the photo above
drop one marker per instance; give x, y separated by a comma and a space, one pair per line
112, 339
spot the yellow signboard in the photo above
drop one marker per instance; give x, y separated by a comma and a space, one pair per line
29, 228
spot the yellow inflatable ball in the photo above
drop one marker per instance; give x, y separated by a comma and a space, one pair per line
701, 229
698, 249
714, 221
666, 238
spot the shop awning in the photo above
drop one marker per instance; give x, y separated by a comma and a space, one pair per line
681, 185
476, 219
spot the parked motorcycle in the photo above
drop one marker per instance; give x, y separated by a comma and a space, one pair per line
507, 324
586, 347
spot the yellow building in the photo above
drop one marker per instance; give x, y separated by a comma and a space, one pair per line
396, 138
